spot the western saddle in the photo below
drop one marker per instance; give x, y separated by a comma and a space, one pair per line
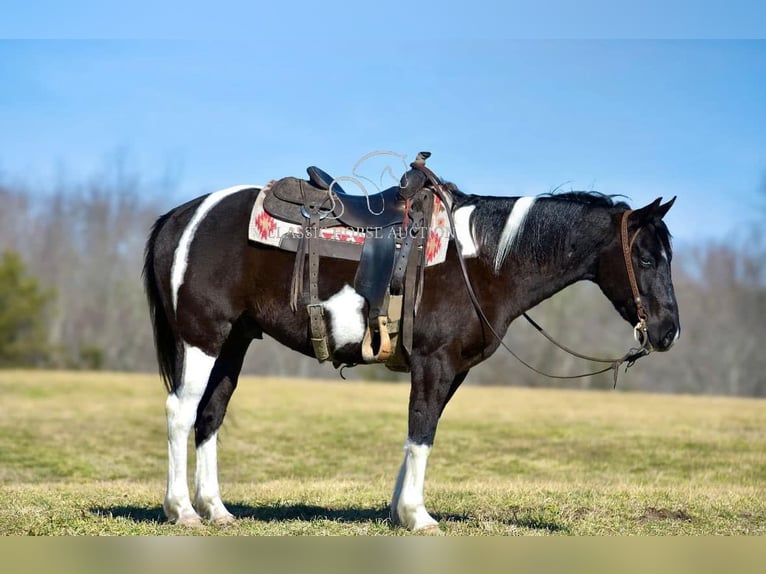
395, 224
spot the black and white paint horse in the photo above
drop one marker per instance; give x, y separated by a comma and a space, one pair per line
211, 292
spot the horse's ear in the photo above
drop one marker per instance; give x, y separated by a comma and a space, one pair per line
645, 214
663, 209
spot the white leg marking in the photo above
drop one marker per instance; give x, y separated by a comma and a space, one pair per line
345, 309
512, 229
407, 506
207, 498
464, 231
181, 409
181, 256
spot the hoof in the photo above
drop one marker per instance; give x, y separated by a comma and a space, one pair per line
430, 530
189, 521
223, 520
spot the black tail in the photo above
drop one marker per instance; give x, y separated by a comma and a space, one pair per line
164, 339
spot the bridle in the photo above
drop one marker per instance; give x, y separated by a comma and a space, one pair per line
639, 330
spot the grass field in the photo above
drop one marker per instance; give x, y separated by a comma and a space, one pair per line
84, 453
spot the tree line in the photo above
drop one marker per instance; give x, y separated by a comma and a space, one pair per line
71, 297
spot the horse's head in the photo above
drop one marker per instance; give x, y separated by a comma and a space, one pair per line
642, 242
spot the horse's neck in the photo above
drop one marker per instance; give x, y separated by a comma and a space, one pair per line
564, 253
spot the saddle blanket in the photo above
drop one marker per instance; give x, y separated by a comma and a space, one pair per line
268, 230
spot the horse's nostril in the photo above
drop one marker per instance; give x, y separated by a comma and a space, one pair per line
669, 338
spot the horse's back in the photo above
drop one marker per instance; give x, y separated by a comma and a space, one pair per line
222, 218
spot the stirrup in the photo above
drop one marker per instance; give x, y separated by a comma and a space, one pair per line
384, 352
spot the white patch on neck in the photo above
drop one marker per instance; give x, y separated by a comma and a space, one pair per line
464, 231
181, 256
347, 322
513, 228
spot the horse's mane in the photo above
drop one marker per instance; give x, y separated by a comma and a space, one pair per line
597, 199
588, 198
585, 198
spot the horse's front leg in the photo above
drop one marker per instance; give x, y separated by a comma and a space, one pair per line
433, 383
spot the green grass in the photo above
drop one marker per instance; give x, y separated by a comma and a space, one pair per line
84, 453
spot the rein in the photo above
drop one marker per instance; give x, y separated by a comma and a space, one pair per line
613, 364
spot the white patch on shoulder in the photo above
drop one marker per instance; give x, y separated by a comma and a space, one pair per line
346, 320
464, 231
181, 256
513, 228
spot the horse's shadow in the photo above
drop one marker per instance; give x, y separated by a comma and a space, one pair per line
307, 512
265, 513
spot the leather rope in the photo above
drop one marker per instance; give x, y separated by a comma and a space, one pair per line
613, 364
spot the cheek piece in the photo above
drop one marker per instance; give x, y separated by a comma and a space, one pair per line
640, 333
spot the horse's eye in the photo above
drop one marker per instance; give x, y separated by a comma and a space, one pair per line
645, 262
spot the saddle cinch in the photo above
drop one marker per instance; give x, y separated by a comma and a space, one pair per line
394, 224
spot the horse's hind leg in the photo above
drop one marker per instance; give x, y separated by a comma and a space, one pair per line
181, 410
210, 414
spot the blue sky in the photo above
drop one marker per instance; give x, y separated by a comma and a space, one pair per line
373, 22
644, 118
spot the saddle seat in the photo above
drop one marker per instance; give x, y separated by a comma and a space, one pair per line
293, 199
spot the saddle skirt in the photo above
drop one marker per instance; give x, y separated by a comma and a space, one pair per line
269, 230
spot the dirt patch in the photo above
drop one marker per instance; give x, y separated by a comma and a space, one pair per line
581, 512
652, 513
